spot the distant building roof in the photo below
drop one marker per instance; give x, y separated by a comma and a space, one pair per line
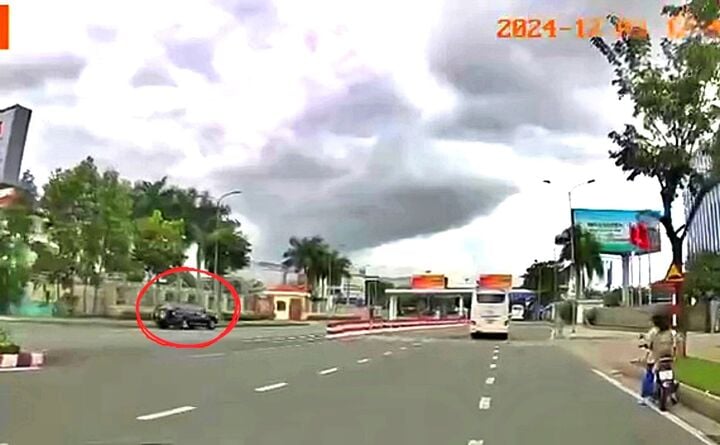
287, 288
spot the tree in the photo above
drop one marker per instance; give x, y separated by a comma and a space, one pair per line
587, 255
15, 254
546, 276
233, 248
675, 99
307, 255
89, 218
159, 244
70, 204
27, 183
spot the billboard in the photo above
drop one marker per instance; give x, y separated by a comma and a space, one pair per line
621, 232
428, 282
14, 123
495, 281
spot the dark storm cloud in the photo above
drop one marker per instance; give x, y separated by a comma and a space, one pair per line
101, 34
360, 110
68, 145
395, 190
33, 73
506, 83
152, 76
193, 54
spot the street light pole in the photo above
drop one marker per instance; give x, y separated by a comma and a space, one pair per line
576, 268
217, 251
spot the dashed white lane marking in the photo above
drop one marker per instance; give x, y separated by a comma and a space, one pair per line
403, 348
291, 338
328, 371
215, 354
495, 357
363, 360
21, 369
417, 345
699, 435
386, 353
484, 403
490, 380
476, 442
170, 412
271, 387
493, 366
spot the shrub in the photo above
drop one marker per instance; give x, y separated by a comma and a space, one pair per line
565, 310
6, 344
590, 316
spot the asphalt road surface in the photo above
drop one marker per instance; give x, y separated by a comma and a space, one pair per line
291, 386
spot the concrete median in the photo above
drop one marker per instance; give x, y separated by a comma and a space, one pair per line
21, 360
341, 329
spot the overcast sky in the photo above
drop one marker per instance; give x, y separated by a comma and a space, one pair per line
403, 131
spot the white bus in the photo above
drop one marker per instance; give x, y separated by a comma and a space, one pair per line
489, 312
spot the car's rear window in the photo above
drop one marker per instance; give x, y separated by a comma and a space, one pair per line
490, 298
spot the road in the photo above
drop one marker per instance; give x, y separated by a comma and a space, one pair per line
289, 385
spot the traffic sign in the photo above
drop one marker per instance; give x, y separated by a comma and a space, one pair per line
674, 275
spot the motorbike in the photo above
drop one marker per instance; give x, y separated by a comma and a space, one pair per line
665, 384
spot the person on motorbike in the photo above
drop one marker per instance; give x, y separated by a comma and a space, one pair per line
660, 342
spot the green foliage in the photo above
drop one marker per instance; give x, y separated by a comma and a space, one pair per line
702, 279
547, 278
675, 99
16, 257
587, 254
159, 244
314, 257
233, 248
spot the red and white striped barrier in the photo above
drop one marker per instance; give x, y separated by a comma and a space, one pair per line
24, 360
340, 329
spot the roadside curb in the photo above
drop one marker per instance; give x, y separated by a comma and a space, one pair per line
22, 361
697, 400
131, 324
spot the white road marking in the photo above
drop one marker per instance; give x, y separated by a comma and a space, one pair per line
495, 357
271, 387
490, 380
493, 366
476, 442
170, 412
216, 354
21, 369
484, 403
291, 338
386, 353
699, 435
328, 371
417, 345
363, 360
403, 348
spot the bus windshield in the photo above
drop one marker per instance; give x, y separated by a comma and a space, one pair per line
484, 298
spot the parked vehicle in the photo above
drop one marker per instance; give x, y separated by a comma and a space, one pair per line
517, 312
184, 316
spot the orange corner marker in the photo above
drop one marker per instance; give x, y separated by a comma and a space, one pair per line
4, 27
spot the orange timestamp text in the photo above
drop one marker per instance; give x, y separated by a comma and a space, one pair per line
585, 28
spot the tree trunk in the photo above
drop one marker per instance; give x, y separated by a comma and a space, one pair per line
84, 296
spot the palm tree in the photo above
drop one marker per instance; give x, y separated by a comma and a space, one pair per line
307, 255
587, 254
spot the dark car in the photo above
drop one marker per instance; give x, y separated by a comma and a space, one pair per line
185, 316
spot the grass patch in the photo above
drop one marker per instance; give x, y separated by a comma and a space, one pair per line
702, 374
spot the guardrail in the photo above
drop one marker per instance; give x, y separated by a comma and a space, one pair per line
339, 329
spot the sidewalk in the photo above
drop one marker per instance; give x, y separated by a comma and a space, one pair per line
704, 346
115, 323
